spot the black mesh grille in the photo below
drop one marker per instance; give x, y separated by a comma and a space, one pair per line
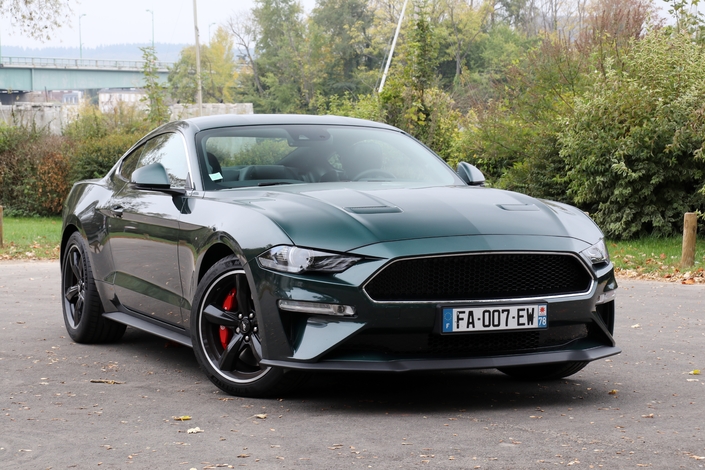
479, 277
463, 345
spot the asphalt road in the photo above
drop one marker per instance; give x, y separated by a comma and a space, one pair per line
638, 409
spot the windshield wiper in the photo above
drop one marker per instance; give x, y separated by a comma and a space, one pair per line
274, 183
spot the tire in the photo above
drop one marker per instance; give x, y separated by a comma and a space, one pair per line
235, 368
544, 371
83, 309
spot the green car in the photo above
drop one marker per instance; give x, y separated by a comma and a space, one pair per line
277, 245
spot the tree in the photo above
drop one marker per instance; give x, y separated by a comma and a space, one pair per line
460, 26
245, 32
218, 71
634, 145
290, 65
37, 18
158, 112
343, 27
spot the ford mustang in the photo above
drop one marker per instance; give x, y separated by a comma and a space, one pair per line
278, 245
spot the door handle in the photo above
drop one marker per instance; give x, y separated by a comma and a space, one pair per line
117, 211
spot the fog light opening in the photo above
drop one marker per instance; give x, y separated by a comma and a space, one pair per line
337, 310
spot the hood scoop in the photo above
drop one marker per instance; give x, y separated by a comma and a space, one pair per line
373, 210
518, 207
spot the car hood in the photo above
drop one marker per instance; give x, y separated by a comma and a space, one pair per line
326, 216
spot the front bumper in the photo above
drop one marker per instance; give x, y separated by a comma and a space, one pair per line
394, 336
406, 365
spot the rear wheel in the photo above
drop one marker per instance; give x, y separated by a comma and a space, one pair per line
226, 337
544, 371
83, 310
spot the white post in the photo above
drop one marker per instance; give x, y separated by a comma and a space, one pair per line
391, 52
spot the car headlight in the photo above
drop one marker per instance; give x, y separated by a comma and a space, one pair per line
292, 259
597, 253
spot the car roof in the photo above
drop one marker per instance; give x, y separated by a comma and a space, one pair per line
226, 120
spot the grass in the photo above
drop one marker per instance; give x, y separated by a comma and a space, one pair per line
655, 257
31, 238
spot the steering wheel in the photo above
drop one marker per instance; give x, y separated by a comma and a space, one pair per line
374, 172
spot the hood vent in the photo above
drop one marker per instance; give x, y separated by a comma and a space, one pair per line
373, 210
518, 207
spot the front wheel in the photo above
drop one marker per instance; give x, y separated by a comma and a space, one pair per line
226, 337
83, 311
544, 371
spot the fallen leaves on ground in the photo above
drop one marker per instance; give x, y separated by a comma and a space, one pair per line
181, 418
195, 430
106, 381
687, 278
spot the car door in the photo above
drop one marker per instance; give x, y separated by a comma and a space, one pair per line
144, 234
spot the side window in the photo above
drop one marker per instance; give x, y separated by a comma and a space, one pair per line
170, 151
129, 164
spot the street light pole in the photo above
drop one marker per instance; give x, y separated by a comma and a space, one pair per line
80, 40
199, 94
150, 11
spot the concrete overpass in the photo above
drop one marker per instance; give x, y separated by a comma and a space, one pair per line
25, 74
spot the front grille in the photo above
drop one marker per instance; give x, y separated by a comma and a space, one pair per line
462, 345
484, 276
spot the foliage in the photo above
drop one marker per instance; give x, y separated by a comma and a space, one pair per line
342, 28
33, 172
96, 140
93, 158
158, 112
37, 18
634, 144
688, 18
218, 74
38, 169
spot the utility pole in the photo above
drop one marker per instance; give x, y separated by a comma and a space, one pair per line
80, 40
199, 94
150, 11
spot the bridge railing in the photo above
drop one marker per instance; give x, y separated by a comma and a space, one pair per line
57, 63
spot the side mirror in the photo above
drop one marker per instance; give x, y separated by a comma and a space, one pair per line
470, 174
153, 177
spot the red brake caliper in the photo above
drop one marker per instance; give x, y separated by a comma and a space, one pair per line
229, 304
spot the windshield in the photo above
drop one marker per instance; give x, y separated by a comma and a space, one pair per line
289, 154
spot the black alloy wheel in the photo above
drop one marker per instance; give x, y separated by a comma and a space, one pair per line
226, 336
83, 312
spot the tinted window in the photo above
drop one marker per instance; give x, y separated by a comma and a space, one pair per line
169, 150
290, 154
129, 163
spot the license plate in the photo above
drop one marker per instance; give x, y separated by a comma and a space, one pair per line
494, 318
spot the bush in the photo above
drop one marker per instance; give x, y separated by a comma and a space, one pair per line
93, 158
634, 143
33, 172
38, 169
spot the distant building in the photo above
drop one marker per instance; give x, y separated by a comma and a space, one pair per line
73, 97
52, 96
111, 98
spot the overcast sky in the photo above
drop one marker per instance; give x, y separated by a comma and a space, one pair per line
127, 21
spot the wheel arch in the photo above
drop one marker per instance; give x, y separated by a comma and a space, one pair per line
213, 254
69, 230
